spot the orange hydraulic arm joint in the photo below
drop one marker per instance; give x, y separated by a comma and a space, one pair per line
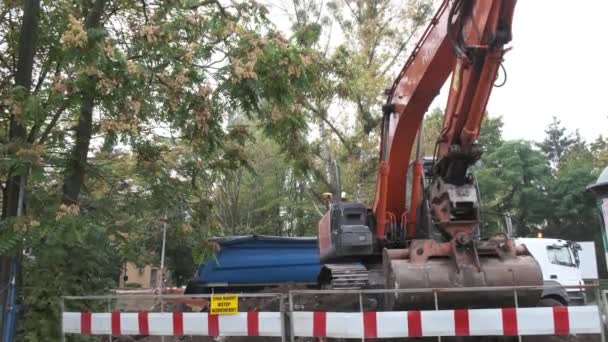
465, 38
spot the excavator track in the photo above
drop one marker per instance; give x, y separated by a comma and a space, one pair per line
352, 276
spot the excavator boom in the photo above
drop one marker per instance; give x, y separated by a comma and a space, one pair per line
464, 39
426, 214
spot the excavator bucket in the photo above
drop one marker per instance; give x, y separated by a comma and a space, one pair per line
428, 264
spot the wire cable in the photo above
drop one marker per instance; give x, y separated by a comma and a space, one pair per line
504, 72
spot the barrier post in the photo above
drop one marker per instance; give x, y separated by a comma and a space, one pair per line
110, 311
516, 306
291, 331
162, 304
436, 308
282, 312
601, 305
62, 308
362, 319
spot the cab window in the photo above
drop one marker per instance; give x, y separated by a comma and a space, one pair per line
560, 256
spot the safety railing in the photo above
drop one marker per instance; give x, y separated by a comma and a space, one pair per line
158, 316
362, 314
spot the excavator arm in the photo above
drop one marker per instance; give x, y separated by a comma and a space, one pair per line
425, 218
466, 39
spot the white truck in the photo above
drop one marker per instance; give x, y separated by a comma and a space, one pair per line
564, 263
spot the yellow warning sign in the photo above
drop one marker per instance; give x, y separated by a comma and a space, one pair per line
226, 304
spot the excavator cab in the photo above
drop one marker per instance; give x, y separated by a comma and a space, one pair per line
347, 231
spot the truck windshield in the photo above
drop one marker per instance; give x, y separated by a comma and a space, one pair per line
560, 256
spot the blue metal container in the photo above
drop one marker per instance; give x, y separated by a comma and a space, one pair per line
258, 261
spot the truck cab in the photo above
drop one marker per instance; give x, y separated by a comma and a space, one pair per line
560, 264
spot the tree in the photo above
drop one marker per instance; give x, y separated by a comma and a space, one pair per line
599, 149
344, 104
490, 134
125, 122
573, 213
266, 196
14, 190
514, 179
433, 123
75, 168
557, 142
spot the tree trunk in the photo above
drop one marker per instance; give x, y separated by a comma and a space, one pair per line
23, 78
75, 169
74, 175
17, 130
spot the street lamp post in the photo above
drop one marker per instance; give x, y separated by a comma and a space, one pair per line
600, 189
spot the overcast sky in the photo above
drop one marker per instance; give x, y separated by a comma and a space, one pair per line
558, 67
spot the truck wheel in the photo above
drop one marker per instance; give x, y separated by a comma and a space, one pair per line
548, 302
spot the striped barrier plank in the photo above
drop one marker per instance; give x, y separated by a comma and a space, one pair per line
173, 324
475, 322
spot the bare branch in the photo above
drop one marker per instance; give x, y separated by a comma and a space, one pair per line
44, 72
144, 10
50, 126
323, 116
396, 55
295, 9
353, 11
212, 2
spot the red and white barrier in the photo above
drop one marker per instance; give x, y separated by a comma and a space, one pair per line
173, 324
475, 322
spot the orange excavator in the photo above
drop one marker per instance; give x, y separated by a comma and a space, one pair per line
423, 228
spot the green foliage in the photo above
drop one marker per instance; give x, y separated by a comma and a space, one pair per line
514, 178
133, 286
490, 134
267, 198
64, 262
599, 149
433, 122
556, 142
573, 214
167, 81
